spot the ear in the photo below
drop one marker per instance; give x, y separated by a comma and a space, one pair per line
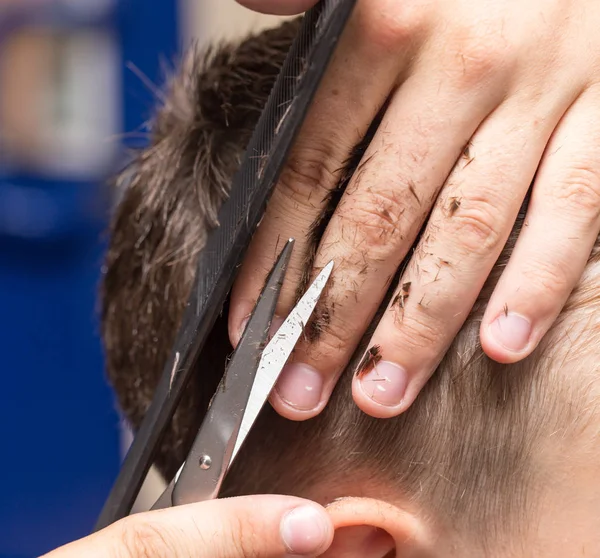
369, 528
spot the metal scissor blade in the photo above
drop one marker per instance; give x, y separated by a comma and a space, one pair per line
226, 245
277, 353
216, 436
203, 484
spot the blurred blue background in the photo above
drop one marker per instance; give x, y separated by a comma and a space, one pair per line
77, 86
69, 105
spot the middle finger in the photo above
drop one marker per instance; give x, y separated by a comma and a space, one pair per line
423, 132
465, 234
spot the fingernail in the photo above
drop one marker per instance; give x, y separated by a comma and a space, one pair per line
385, 384
305, 531
511, 331
300, 386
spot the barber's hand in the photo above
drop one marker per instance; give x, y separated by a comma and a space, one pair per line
485, 96
246, 527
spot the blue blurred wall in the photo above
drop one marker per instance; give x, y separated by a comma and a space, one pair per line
60, 434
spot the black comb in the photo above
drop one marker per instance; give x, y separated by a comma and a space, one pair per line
226, 245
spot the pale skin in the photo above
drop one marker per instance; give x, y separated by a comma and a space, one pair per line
485, 98
563, 522
229, 528
379, 524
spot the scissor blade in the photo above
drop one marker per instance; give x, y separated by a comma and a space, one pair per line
218, 432
226, 245
278, 351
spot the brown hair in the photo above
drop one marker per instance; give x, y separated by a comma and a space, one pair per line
467, 451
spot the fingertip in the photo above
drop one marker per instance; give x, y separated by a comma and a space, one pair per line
289, 412
370, 407
507, 337
307, 530
301, 392
382, 391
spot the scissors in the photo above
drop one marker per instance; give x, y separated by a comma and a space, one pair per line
225, 247
244, 389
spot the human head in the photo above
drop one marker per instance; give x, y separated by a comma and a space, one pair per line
498, 460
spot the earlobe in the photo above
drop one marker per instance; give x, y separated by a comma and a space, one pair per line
369, 528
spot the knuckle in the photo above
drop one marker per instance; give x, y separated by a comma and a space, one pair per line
415, 332
335, 340
476, 226
377, 217
308, 177
144, 539
549, 279
481, 55
579, 192
392, 27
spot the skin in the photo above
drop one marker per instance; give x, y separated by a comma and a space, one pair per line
217, 529
485, 99
568, 520
564, 521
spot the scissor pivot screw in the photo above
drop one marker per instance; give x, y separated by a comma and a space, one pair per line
205, 462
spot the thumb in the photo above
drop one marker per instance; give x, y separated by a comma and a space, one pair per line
245, 527
279, 7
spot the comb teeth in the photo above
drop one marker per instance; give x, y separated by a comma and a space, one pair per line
272, 139
226, 244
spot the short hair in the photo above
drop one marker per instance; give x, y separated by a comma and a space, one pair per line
467, 452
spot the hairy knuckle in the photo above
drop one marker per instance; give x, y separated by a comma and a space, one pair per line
336, 339
477, 226
377, 216
307, 176
579, 192
416, 332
